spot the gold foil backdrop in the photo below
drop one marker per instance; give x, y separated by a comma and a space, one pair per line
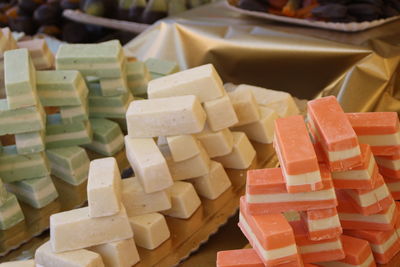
362, 69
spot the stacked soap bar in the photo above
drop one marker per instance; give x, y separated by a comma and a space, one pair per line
23, 164
97, 235
161, 67
10, 211
137, 75
257, 108
7, 42
64, 90
42, 57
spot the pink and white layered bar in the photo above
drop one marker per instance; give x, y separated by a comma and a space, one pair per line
322, 224
389, 166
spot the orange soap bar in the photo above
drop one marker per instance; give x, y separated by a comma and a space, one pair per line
322, 224
389, 166
335, 133
239, 258
270, 235
266, 193
316, 251
361, 177
378, 129
384, 244
394, 187
351, 218
296, 155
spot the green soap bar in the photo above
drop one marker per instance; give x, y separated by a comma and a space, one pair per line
28, 143
137, 70
20, 120
107, 137
156, 75
19, 76
14, 167
3, 193
161, 66
38, 192
10, 213
70, 164
73, 114
104, 60
61, 88
59, 134
113, 87
122, 124
109, 107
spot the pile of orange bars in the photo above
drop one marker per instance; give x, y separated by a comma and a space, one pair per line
331, 202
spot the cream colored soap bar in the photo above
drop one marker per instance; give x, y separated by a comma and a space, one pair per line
245, 106
261, 131
282, 102
218, 143
150, 230
27, 263
44, 256
190, 168
242, 154
220, 113
183, 147
138, 202
104, 187
165, 117
184, 199
203, 81
148, 163
213, 184
121, 253
75, 229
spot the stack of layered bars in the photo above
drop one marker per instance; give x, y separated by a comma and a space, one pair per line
23, 164
339, 211
103, 67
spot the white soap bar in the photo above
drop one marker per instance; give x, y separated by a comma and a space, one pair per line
282, 102
183, 147
190, 168
75, 229
184, 199
121, 253
138, 202
220, 113
150, 230
242, 153
104, 187
148, 163
216, 143
45, 257
262, 130
27, 263
245, 105
212, 185
165, 117
202, 81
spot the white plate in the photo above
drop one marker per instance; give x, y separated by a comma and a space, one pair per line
345, 27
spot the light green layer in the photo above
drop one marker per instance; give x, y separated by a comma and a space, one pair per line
64, 135
137, 71
162, 67
108, 149
20, 78
156, 75
28, 143
14, 167
19, 120
61, 88
109, 107
73, 114
7, 219
3, 193
105, 131
114, 86
37, 192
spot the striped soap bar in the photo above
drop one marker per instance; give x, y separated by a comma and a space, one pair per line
28, 143
138, 76
108, 106
10, 213
71, 114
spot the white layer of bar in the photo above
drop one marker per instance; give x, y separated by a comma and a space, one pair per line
356, 174
373, 218
323, 224
380, 139
370, 198
390, 164
326, 194
382, 248
366, 263
315, 248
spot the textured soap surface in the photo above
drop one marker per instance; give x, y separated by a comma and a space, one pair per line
165, 117
10, 213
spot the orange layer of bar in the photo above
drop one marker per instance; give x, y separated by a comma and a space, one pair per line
270, 181
239, 258
374, 123
304, 187
357, 184
264, 208
275, 262
294, 145
346, 164
388, 255
385, 150
394, 156
272, 230
356, 250
325, 234
323, 256
389, 173
332, 124
321, 214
